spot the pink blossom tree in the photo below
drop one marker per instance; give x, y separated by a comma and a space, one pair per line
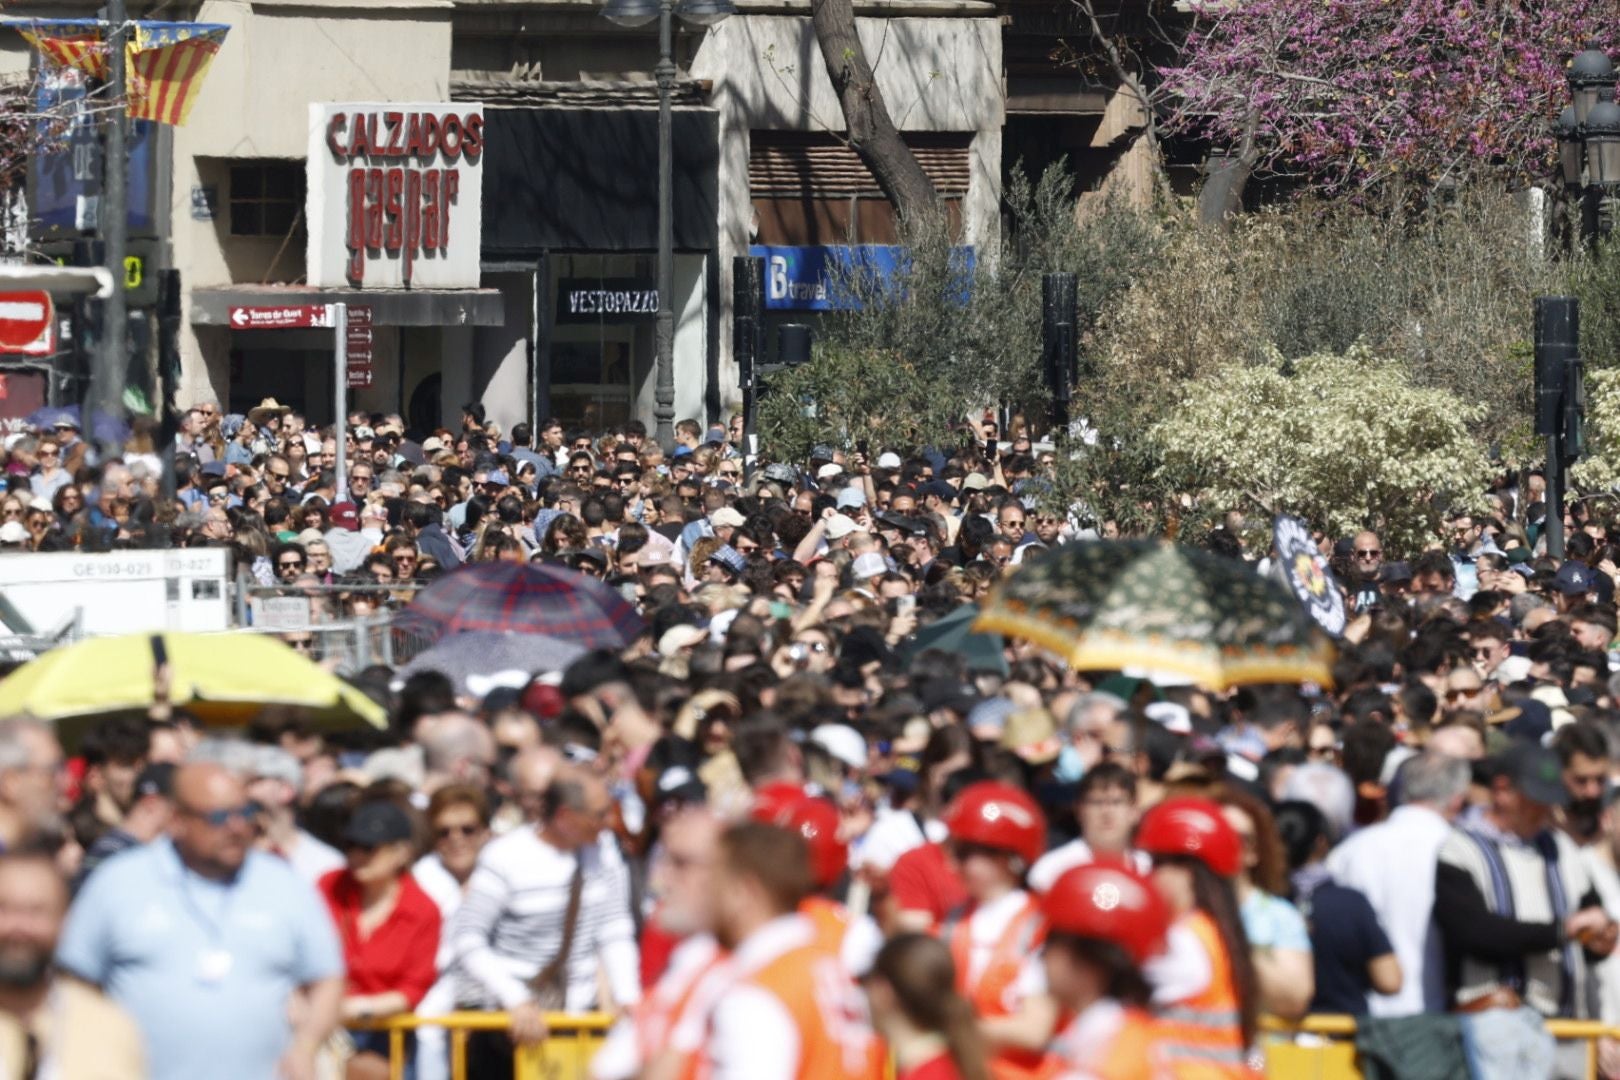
1354, 95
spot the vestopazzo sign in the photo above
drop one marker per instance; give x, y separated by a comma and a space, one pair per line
395, 195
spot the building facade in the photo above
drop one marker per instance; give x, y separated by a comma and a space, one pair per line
558, 318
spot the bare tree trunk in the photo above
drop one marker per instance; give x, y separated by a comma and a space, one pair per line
1221, 197
871, 130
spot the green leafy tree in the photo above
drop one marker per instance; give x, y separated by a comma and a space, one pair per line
1345, 440
944, 337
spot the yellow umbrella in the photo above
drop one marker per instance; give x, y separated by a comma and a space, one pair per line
222, 679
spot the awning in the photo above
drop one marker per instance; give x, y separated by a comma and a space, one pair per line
390, 307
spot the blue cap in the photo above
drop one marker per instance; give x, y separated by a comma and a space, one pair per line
730, 558
851, 497
1573, 578
681, 451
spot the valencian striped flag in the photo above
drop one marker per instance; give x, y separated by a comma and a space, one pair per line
166, 61
74, 43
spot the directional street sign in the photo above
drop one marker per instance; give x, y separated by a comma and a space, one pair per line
360, 338
286, 317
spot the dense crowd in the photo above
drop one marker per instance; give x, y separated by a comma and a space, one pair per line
775, 836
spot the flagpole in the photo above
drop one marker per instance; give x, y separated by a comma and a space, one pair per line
111, 363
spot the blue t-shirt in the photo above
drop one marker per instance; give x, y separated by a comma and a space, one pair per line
1273, 923
205, 968
1347, 935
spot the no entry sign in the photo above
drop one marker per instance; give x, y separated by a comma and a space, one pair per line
24, 318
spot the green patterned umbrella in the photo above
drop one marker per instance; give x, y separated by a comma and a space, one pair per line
1105, 605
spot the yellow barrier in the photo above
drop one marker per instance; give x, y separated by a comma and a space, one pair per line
1332, 1054
566, 1055
575, 1038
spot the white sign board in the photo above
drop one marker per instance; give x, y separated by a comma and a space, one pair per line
281, 612
120, 592
396, 195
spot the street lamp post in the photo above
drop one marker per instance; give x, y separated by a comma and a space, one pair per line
1588, 133
634, 13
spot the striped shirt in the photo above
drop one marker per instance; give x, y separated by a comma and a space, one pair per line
510, 923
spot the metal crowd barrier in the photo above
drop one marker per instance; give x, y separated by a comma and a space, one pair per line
1328, 1049
565, 1055
1327, 1052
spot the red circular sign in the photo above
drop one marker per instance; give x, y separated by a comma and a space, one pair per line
24, 317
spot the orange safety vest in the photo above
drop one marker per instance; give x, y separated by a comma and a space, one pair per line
1201, 1037
835, 1037
1132, 1054
658, 1012
991, 993
831, 921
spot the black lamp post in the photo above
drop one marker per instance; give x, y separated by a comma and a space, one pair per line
1589, 137
633, 13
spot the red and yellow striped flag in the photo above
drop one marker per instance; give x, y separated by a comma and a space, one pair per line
167, 64
84, 52
166, 61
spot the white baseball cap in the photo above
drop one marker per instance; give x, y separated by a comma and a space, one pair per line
889, 460
840, 526
869, 565
842, 742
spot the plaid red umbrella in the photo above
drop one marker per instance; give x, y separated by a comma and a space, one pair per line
518, 598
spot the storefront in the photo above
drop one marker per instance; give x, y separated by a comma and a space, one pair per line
393, 201
570, 234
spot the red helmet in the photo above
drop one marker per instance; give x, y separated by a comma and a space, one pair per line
1109, 901
998, 816
1194, 827
812, 817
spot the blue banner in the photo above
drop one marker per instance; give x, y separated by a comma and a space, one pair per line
67, 166
818, 277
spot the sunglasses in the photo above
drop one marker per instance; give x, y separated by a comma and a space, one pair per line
11, 512
294, 565
1369, 553
221, 818
301, 644
404, 558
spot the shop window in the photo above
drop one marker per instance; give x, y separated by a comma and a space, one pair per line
267, 198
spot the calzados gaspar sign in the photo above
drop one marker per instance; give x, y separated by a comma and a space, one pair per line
395, 195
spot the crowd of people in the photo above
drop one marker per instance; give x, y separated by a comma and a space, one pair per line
771, 836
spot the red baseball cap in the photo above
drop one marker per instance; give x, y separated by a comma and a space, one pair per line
345, 515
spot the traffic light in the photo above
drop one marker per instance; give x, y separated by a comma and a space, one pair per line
792, 344
1059, 311
747, 318
1558, 332
1573, 441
